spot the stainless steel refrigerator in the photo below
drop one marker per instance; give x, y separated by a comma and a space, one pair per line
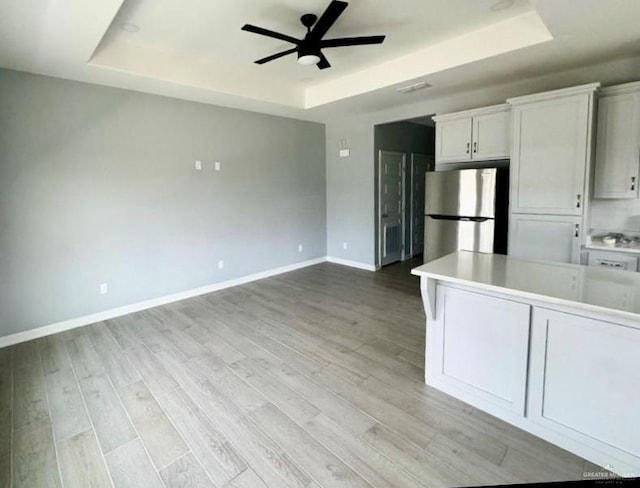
466, 210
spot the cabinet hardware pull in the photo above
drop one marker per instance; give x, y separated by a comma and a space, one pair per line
578, 198
633, 183
475, 147
577, 234
468, 145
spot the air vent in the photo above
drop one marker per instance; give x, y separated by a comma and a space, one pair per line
414, 87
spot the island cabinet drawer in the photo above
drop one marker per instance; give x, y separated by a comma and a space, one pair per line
585, 383
477, 349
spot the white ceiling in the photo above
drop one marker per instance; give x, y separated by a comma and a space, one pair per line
194, 49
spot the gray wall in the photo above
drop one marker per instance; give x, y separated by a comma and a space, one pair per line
98, 185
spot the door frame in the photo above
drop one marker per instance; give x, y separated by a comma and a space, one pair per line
379, 206
430, 163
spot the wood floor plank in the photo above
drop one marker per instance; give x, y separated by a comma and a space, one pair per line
247, 479
25, 354
68, 413
159, 436
532, 469
185, 472
121, 329
29, 395
330, 404
268, 459
156, 377
323, 466
34, 457
110, 420
360, 456
6, 374
84, 357
54, 354
479, 441
285, 399
219, 459
115, 363
130, 467
5, 448
97, 332
81, 462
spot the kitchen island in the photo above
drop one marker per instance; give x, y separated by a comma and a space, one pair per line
552, 348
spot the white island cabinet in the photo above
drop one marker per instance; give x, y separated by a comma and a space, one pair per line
545, 346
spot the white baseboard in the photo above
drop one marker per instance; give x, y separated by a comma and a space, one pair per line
46, 330
353, 264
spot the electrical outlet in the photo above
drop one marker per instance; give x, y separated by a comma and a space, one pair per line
345, 245
300, 248
216, 165
344, 153
221, 264
199, 165
104, 288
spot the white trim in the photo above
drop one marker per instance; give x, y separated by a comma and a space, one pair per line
589, 88
474, 112
353, 264
46, 330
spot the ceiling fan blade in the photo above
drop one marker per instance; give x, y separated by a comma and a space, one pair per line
276, 56
352, 41
324, 63
269, 33
327, 19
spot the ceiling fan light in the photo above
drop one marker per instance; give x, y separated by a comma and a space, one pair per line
308, 59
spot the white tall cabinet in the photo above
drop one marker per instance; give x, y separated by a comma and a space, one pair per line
618, 142
551, 151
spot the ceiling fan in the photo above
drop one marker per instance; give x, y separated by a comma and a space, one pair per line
309, 48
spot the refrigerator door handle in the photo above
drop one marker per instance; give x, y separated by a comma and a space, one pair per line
455, 217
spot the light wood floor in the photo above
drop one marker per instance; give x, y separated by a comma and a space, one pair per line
312, 378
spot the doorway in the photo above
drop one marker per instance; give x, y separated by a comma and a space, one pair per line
404, 153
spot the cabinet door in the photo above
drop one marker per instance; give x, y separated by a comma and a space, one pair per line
545, 237
618, 147
549, 156
477, 349
491, 136
453, 140
585, 382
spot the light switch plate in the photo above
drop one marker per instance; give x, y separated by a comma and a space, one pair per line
345, 153
199, 165
217, 165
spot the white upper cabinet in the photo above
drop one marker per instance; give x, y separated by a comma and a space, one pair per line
550, 151
473, 135
618, 142
491, 135
453, 140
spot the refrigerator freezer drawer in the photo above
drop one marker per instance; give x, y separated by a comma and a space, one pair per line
442, 237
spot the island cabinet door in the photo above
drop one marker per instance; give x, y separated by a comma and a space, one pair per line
477, 349
585, 384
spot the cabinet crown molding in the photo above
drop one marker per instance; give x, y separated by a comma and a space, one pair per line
626, 88
589, 88
503, 107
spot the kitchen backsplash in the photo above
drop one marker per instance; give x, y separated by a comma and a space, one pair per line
616, 214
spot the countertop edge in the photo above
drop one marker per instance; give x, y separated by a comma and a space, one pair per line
535, 296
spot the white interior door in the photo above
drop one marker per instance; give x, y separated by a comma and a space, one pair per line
420, 163
391, 206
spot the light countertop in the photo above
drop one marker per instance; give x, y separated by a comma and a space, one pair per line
587, 288
595, 243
